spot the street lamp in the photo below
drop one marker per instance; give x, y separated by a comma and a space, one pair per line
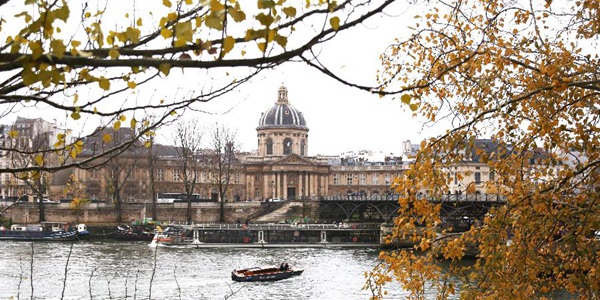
272, 184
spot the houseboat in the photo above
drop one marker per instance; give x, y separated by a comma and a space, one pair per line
44, 231
269, 235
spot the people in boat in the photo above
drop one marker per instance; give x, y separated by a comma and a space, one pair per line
284, 266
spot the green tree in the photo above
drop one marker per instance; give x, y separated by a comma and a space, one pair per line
526, 74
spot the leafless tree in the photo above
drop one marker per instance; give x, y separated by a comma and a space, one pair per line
221, 163
188, 136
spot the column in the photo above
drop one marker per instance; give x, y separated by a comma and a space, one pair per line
284, 191
299, 185
276, 180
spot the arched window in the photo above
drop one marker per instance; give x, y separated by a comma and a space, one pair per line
287, 146
269, 146
302, 146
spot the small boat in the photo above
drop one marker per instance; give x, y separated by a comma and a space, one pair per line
268, 273
45, 231
132, 233
172, 235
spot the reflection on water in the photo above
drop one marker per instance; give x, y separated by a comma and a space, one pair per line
120, 270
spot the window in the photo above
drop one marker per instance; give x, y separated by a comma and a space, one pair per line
257, 193
362, 179
492, 175
94, 173
477, 177
349, 179
387, 179
269, 146
130, 198
287, 146
159, 174
374, 179
236, 178
176, 176
336, 179
93, 196
302, 148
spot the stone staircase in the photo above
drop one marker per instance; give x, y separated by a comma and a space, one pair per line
287, 211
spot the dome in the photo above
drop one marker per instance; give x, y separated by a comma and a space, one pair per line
282, 114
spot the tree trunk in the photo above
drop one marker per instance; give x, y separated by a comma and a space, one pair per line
222, 211
118, 209
189, 209
42, 216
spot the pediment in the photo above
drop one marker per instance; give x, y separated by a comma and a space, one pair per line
293, 159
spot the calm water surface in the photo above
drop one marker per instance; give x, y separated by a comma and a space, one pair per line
101, 269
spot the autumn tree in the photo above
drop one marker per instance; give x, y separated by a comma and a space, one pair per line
221, 163
98, 63
524, 73
187, 138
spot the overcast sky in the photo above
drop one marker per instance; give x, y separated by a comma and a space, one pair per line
340, 118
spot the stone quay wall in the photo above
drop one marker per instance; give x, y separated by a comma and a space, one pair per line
105, 213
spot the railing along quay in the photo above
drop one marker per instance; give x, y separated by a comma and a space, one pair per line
445, 198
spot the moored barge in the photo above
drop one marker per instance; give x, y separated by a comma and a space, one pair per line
269, 235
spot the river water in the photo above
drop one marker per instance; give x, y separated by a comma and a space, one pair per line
104, 269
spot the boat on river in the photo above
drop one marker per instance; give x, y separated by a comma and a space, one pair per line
133, 233
268, 273
44, 231
268, 235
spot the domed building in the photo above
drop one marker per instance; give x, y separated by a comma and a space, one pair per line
281, 169
282, 129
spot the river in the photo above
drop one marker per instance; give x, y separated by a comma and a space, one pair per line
105, 269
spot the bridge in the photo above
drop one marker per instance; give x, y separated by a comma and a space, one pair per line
458, 210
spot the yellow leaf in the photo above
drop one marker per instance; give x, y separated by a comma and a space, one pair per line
167, 3
165, 68
405, 98
172, 16
335, 23
39, 160
113, 53
216, 6
262, 47
166, 33
139, 22
75, 115
122, 118
148, 144
290, 11
104, 83
228, 44
132, 123
13, 134
183, 33
237, 14
281, 40
106, 138
214, 21
58, 48
117, 125
131, 84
